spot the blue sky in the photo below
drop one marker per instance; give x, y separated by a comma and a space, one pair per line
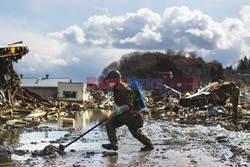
78, 38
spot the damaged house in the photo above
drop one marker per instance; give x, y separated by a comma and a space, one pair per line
73, 91
46, 87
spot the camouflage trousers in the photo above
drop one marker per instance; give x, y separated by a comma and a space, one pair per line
125, 119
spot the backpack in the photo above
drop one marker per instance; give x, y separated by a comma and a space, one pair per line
136, 99
138, 102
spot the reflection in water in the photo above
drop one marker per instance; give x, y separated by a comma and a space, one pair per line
10, 136
112, 160
83, 120
46, 134
5, 158
86, 118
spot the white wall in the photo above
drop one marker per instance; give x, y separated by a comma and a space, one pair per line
86, 92
74, 87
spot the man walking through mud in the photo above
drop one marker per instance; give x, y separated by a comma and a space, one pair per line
125, 114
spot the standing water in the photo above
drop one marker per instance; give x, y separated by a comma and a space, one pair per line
175, 145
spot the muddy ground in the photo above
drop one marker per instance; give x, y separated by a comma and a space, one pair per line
175, 145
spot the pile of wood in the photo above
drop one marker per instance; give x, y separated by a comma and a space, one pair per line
21, 108
18, 107
9, 80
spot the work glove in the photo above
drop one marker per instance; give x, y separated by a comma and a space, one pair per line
117, 111
121, 109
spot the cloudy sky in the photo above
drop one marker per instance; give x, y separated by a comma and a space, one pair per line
78, 38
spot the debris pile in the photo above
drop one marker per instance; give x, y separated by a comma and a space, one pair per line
20, 107
49, 151
9, 80
218, 103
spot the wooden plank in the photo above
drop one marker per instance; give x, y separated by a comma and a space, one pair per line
22, 111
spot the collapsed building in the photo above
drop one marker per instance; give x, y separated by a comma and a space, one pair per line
9, 80
218, 93
20, 107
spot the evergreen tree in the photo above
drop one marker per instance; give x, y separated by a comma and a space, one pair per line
216, 71
213, 74
229, 67
110, 67
193, 55
246, 62
170, 52
220, 71
249, 65
243, 64
164, 65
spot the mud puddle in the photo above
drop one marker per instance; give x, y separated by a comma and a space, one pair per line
175, 145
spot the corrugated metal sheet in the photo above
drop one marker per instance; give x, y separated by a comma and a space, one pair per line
42, 82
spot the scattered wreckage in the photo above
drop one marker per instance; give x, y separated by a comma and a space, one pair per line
20, 107
14, 101
224, 94
218, 103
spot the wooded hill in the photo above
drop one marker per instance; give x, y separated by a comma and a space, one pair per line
181, 63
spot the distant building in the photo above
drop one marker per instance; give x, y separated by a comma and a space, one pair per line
45, 87
166, 75
182, 84
73, 91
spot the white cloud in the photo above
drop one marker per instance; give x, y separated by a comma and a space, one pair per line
102, 9
75, 60
72, 34
44, 51
245, 15
119, 30
190, 29
105, 38
144, 37
176, 28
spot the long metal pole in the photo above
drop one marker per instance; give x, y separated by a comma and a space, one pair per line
86, 132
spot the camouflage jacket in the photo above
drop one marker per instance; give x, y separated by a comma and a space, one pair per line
123, 95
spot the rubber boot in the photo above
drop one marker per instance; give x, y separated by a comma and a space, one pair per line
147, 148
110, 146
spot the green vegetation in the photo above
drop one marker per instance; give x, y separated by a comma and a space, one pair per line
244, 65
181, 63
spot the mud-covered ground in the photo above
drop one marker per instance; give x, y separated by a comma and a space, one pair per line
175, 145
